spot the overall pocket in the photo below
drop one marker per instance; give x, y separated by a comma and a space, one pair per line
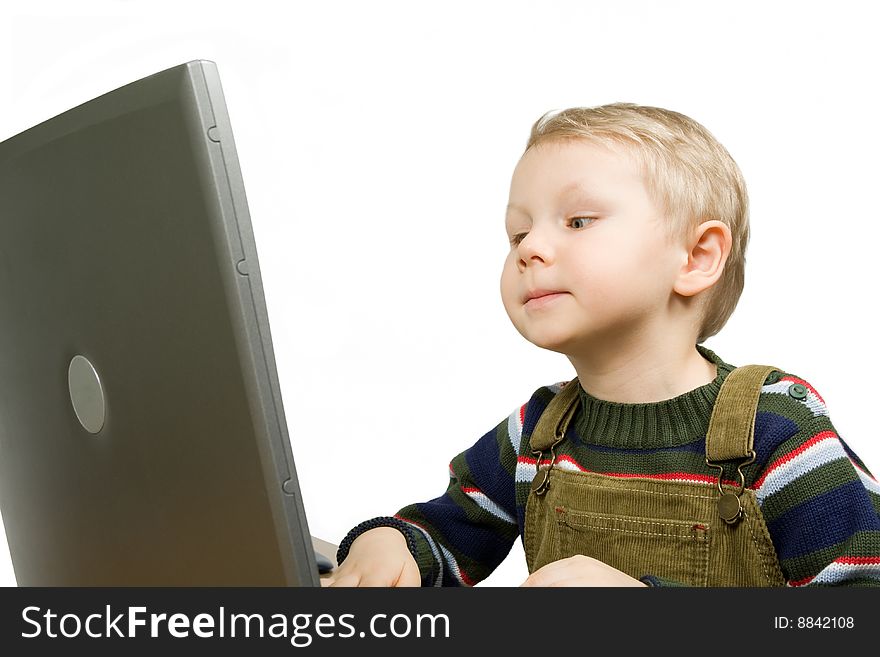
671, 549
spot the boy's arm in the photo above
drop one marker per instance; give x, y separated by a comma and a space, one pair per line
821, 506
460, 537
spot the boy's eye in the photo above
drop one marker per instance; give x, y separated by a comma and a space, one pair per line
576, 222
580, 222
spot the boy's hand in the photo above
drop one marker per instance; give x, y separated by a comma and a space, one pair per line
580, 571
378, 557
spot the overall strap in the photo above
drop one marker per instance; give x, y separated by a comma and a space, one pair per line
555, 417
731, 434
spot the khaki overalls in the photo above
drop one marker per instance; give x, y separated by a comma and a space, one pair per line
696, 534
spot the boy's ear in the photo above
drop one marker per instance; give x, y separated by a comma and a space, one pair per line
706, 252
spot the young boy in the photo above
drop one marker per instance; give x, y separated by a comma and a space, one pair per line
628, 228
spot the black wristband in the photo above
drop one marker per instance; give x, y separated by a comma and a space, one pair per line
382, 521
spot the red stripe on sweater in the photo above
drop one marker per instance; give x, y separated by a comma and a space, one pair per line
855, 561
845, 560
801, 582
785, 458
708, 479
559, 459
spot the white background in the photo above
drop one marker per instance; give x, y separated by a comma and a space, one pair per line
377, 140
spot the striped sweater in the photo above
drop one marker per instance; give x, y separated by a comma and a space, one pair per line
820, 502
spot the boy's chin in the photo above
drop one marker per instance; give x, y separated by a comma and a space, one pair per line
568, 344
559, 343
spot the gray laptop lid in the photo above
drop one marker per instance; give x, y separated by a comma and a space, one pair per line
142, 435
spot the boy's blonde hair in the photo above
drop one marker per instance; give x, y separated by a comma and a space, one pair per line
687, 173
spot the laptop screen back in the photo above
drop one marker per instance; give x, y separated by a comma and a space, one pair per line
142, 435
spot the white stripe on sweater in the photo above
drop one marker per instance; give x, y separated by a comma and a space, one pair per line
869, 483
834, 573
824, 451
811, 401
525, 472
489, 505
514, 430
453, 565
515, 425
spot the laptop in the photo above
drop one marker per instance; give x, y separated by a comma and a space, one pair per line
143, 440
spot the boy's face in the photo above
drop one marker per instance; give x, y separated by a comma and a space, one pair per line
582, 225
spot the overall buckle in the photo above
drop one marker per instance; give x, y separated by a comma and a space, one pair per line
729, 505
539, 484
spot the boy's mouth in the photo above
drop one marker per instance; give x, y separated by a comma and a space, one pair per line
540, 293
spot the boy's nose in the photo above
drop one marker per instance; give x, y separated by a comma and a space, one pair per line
535, 247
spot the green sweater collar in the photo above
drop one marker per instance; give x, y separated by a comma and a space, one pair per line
667, 423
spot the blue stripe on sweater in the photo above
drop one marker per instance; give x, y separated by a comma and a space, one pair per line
489, 475
478, 543
521, 520
834, 516
697, 446
771, 430
534, 409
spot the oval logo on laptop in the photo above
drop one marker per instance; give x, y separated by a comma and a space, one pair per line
86, 394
